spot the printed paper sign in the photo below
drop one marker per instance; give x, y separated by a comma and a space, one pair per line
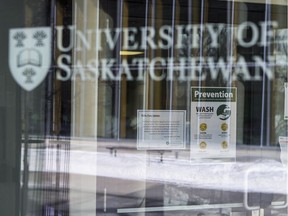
161, 129
213, 122
286, 101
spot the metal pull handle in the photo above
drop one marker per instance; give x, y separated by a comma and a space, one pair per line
246, 192
285, 204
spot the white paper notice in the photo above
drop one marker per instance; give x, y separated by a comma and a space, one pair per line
161, 129
286, 101
213, 123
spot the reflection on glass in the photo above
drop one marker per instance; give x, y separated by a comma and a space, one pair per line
135, 92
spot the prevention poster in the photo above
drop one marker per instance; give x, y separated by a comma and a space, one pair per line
286, 101
161, 129
213, 123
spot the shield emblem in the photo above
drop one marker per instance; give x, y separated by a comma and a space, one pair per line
29, 55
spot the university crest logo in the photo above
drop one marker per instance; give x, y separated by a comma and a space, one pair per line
29, 55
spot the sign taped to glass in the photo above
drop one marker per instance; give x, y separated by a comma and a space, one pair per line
213, 123
161, 129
